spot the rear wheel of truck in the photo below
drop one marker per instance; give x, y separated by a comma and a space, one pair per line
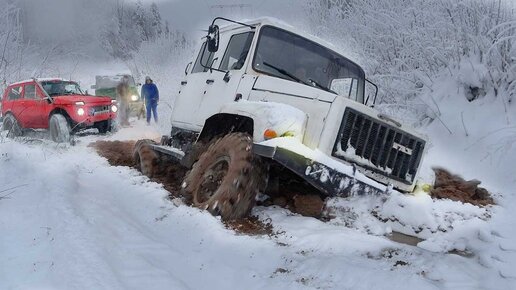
59, 129
226, 178
145, 158
12, 126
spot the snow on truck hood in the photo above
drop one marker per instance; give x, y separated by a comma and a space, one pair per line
81, 98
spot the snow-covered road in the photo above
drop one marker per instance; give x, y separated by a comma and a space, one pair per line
68, 220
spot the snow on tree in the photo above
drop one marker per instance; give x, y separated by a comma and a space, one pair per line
12, 47
132, 25
404, 45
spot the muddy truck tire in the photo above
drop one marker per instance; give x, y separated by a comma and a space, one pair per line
145, 158
226, 178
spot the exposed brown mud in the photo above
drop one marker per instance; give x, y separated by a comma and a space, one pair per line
120, 153
170, 175
454, 187
250, 226
117, 153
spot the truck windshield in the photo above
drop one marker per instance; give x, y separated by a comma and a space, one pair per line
60, 88
286, 55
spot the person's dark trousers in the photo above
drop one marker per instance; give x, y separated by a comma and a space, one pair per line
152, 106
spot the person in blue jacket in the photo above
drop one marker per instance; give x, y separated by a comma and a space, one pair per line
150, 94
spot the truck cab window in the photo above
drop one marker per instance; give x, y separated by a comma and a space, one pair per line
30, 92
15, 93
237, 51
207, 58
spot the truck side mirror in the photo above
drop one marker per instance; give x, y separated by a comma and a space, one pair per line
213, 38
187, 68
371, 98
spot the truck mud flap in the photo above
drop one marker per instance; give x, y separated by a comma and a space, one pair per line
327, 180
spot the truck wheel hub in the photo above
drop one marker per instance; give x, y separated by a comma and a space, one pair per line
213, 178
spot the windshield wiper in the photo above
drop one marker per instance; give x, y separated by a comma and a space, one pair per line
322, 87
311, 82
286, 73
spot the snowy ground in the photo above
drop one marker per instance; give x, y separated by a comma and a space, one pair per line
68, 220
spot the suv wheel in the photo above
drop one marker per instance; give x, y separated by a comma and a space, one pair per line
12, 126
226, 178
59, 129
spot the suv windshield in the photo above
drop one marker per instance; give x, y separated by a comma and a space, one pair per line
286, 55
60, 88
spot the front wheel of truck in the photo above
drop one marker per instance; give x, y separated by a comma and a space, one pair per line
226, 178
59, 129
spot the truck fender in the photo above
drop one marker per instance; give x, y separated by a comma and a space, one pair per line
284, 119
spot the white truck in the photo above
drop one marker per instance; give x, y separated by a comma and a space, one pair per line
264, 101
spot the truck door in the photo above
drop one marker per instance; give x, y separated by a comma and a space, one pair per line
187, 104
15, 97
222, 87
33, 104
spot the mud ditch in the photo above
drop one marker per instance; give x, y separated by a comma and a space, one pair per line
120, 153
170, 175
117, 153
454, 187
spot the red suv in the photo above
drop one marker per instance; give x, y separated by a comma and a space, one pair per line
55, 104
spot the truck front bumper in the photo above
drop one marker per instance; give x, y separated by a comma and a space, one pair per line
323, 177
85, 122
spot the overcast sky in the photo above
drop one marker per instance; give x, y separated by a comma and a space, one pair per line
193, 16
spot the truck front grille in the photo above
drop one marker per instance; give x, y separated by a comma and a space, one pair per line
378, 147
99, 110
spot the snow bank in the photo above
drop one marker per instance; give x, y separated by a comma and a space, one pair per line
71, 221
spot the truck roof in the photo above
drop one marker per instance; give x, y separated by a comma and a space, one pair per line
38, 79
283, 25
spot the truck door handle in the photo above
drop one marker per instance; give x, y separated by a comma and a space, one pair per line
210, 81
184, 83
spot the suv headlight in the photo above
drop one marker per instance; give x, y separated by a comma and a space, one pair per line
80, 112
114, 108
134, 97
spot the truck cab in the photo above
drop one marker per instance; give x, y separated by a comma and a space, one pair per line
106, 86
294, 84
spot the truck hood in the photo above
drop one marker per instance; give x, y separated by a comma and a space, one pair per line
72, 99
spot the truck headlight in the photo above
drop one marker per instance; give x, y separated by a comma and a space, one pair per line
114, 108
134, 97
80, 111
